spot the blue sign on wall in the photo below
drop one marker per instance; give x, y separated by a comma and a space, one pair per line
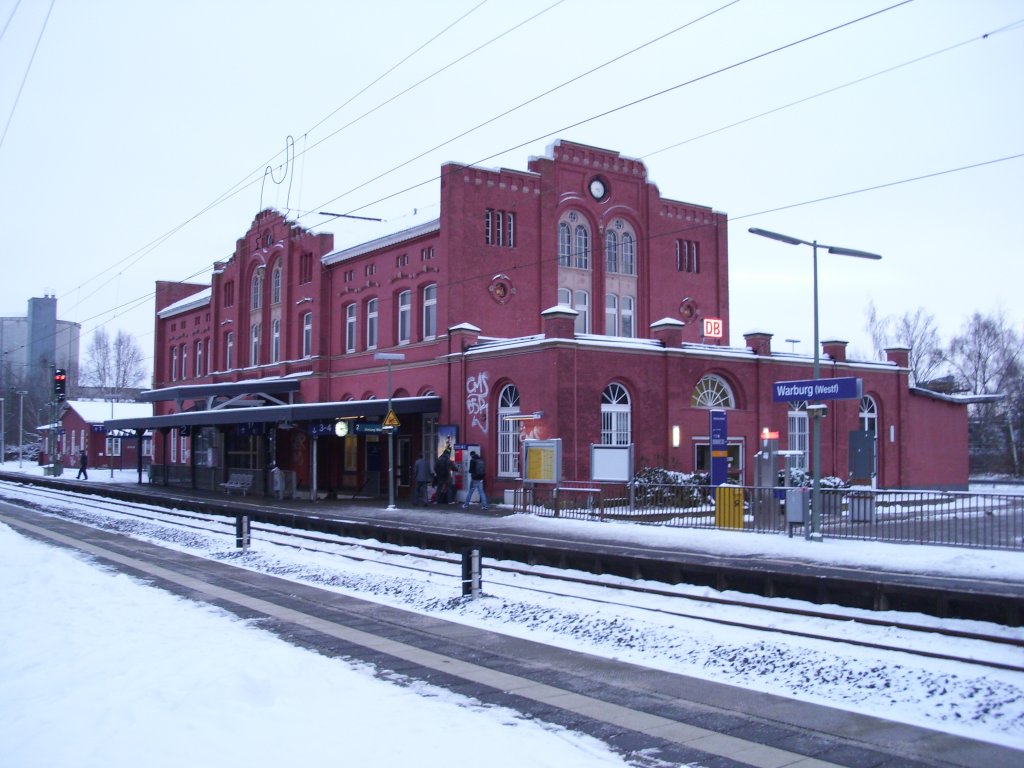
845, 388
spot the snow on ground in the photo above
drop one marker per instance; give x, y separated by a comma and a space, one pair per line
948, 696
99, 670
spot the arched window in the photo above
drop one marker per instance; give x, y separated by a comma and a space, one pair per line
712, 392
869, 415
275, 340
564, 244
581, 303
404, 317
184, 362
371, 324
628, 262
611, 251
229, 350
508, 432
626, 317
582, 255
275, 285
611, 314
351, 312
254, 346
615, 416
174, 363
307, 334
257, 290
430, 311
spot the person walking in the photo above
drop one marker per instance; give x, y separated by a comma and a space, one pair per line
476, 480
277, 481
422, 475
83, 466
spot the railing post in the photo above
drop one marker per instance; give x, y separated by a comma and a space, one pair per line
471, 580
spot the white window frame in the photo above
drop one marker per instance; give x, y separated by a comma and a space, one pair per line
254, 344
508, 432
564, 244
627, 317
797, 435
616, 416
581, 303
372, 315
430, 311
257, 291
611, 314
307, 335
275, 285
229, 350
404, 317
351, 327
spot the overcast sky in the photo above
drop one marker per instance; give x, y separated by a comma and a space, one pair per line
136, 136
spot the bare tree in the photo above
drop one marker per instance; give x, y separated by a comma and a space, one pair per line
114, 366
988, 359
915, 330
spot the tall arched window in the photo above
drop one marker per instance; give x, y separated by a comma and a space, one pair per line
616, 420
564, 244
307, 334
626, 317
351, 311
275, 285
611, 251
254, 346
371, 324
628, 262
582, 255
508, 432
275, 340
869, 415
712, 392
581, 303
611, 314
257, 290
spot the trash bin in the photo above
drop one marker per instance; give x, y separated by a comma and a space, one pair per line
862, 505
797, 506
728, 506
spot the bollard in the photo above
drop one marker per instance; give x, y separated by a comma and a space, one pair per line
471, 573
242, 535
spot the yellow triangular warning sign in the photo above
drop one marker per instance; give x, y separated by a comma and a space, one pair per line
391, 420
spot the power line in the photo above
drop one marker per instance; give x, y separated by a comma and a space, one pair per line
28, 69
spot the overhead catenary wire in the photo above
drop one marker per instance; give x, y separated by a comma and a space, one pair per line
24, 77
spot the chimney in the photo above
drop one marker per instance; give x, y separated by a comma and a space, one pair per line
559, 322
835, 349
898, 355
462, 336
669, 332
759, 342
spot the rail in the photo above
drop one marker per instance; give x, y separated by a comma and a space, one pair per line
947, 518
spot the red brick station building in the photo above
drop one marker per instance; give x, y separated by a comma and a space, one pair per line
564, 301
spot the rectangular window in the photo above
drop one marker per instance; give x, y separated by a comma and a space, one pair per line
199, 359
489, 226
307, 334
581, 303
113, 446
404, 317
510, 234
426, 254
350, 328
702, 457
508, 446
797, 424
499, 215
229, 293
687, 256
174, 363
611, 314
626, 317
184, 362
371, 324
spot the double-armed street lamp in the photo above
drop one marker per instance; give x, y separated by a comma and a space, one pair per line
21, 424
390, 357
816, 412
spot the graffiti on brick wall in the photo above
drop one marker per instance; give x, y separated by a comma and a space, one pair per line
477, 391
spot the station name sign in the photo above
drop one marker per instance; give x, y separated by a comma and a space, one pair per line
845, 388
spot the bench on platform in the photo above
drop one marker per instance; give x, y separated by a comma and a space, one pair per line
238, 481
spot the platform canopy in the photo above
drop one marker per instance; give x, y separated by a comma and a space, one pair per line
259, 401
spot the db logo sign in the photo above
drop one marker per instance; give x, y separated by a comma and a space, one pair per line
712, 327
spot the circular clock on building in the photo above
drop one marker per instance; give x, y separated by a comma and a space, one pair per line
597, 188
341, 428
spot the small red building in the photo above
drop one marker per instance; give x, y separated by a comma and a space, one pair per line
81, 427
561, 301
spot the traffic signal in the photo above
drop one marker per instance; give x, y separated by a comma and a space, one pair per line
60, 382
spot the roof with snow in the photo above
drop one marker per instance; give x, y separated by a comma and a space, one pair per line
98, 411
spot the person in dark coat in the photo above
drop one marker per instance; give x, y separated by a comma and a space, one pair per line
443, 475
422, 474
83, 465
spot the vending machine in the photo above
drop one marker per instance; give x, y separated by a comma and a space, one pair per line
461, 458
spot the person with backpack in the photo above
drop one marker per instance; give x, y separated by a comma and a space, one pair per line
476, 480
443, 476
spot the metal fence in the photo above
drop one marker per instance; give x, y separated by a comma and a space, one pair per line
980, 520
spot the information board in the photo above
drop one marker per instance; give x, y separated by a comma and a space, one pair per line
613, 463
542, 461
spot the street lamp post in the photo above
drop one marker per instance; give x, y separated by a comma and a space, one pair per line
3, 431
390, 357
816, 412
21, 424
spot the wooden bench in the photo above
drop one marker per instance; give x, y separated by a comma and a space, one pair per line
238, 481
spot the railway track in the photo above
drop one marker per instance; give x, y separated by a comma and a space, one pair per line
890, 633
